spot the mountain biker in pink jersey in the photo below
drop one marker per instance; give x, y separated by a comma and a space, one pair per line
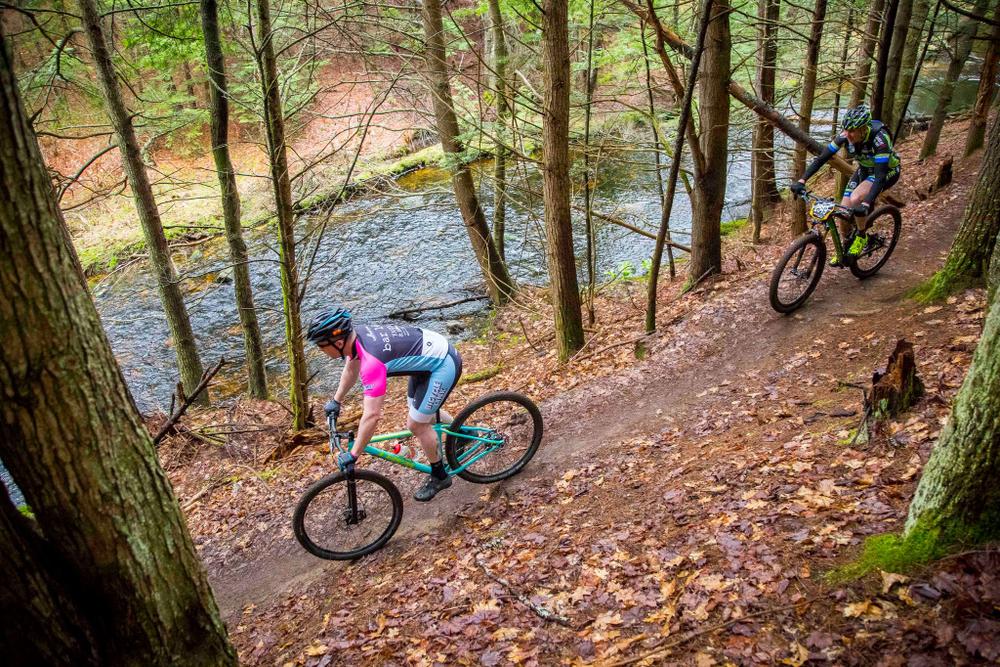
376, 352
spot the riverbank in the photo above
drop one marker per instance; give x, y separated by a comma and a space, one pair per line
103, 245
106, 234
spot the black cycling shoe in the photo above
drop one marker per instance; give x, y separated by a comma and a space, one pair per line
431, 488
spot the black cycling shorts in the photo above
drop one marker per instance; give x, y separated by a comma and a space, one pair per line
865, 173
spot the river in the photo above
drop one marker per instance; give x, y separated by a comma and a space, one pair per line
379, 254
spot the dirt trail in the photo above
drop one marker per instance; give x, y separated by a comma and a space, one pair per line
732, 337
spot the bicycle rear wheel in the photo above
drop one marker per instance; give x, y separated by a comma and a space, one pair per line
797, 273
883, 233
341, 518
500, 434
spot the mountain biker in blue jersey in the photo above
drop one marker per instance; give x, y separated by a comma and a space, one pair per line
376, 352
870, 144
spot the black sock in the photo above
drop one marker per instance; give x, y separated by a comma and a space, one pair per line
437, 470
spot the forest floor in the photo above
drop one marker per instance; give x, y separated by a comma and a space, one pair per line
691, 507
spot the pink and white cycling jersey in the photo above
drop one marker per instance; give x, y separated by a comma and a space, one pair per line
391, 349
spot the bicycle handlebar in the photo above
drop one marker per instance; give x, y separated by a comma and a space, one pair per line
806, 195
335, 435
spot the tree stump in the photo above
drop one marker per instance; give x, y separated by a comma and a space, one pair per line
941, 180
943, 174
894, 389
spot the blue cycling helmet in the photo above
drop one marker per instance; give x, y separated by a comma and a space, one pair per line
330, 326
859, 116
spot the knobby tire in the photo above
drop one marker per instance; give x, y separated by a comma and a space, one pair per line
796, 253
895, 224
515, 416
308, 536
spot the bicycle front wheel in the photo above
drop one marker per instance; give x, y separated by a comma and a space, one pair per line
883, 233
500, 433
342, 518
797, 273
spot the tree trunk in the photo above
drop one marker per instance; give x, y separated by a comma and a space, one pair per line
494, 270
909, 60
588, 204
654, 127
35, 602
556, 183
993, 275
845, 50
882, 65
972, 248
765, 190
503, 111
275, 129
958, 498
713, 106
806, 106
905, 103
188, 362
895, 60
697, 159
675, 165
848, 27
867, 49
219, 103
105, 573
961, 47
987, 89
189, 84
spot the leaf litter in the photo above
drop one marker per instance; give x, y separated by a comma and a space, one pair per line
702, 539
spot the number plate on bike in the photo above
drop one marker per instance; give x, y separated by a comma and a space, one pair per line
822, 208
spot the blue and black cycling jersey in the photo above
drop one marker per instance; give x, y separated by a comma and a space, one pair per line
877, 160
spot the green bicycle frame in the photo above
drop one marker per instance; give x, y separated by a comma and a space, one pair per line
484, 445
831, 226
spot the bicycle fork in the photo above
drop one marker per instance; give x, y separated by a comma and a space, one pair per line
353, 514
800, 273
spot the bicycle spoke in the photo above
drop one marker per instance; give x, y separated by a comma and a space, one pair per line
507, 422
497, 437
880, 234
348, 516
795, 281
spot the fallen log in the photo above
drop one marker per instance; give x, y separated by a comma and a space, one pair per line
206, 377
407, 313
638, 230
